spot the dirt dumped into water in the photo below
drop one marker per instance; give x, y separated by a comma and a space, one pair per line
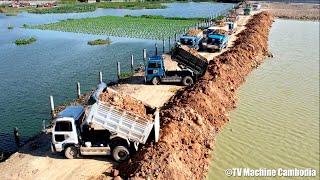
195, 114
126, 102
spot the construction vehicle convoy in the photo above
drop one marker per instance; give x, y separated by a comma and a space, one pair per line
192, 65
102, 129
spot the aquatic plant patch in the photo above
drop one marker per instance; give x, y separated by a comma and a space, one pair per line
67, 8
25, 41
100, 42
134, 27
72, 7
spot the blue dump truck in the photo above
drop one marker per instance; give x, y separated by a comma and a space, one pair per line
216, 41
192, 67
192, 39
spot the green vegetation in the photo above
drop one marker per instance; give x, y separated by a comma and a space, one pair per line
100, 42
73, 6
163, 17
8, 11
67, 8
124, 75
136, 27
24, 25
131, 5
10, 27
25, 41
70, 6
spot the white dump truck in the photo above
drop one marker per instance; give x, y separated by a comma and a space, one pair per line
103, 130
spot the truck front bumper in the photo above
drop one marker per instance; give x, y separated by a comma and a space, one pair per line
56, 147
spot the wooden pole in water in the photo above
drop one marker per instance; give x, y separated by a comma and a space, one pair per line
175, 37
52, 107
118, 70
163, 45
16, 136
132, 63
78, 90
144, 55
156, 46
100, 77
43, 125
169, 44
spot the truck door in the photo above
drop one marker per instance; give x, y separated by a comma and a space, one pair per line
65, 132
154, 69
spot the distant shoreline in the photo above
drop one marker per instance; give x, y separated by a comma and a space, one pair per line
294, 10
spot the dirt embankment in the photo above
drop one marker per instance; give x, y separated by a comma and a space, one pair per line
193, 116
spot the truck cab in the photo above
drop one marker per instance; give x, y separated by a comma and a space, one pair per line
247, 10
155, 73
219, 41
154, 69
64, 131
193, 42
71, 136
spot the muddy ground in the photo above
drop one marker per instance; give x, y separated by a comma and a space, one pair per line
302, 11
195, 114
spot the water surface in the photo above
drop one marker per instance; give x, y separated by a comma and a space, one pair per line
53, 64
276, 123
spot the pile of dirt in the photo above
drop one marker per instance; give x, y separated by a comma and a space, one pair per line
194, 32
195, 114
126, 102
221, 31
220, 23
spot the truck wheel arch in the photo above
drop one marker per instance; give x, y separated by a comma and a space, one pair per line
116, 140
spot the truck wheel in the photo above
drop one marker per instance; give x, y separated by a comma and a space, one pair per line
120, 153
155, 81
187, 81
71, 152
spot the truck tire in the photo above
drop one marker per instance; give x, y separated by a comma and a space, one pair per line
187, 81
155, 81
71, 152
120, 153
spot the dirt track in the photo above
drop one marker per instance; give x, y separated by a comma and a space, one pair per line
35, 161
193, 116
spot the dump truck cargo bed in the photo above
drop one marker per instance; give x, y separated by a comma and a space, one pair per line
123, 123
190, 59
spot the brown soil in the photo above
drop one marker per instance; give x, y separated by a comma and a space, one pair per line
194, 32
221, 31
192, 117
126, 102
301, 11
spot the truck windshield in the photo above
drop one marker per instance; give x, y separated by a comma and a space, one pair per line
63, 126
154, 65
186, 41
